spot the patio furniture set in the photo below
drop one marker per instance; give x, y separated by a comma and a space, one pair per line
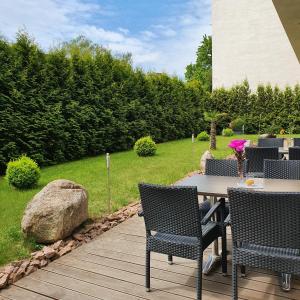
264, 218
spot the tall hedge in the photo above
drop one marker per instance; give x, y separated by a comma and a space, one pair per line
268, 109
79, 100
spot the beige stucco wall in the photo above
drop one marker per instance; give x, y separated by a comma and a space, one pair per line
249, 42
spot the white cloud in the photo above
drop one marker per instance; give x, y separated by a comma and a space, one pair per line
167, 46
178, 48
164, 30
123, 30
148, 35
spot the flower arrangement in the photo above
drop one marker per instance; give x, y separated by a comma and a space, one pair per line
238, 147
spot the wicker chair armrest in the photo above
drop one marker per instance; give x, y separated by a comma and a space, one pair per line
227, 221
210, 213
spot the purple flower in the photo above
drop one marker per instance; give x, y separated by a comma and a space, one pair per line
238, 145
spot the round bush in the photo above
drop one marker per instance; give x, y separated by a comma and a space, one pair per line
23, 173
145, 146
203, 136
227, 132
237, 124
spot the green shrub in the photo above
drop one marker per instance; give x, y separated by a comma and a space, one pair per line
203, 136
237, 124
145, 146
227, 132
23, 173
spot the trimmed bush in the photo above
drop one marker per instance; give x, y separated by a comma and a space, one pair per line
237, 124
203, 136
145, 146
23, 173
227, 132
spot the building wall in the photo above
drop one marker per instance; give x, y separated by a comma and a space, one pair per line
249, 42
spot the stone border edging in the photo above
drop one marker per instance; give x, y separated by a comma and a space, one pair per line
39, 259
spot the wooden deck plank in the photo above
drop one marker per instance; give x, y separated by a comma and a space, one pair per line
112, 267
18, 293
177, 268
81, 286
122, 284
127, 275
214, 282
118, 235
261, 275
50, 290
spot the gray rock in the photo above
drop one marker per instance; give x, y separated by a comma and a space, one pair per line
206, 155
53, 213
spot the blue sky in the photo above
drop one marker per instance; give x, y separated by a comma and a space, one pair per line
162, 35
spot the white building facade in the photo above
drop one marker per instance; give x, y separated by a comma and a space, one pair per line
257, 40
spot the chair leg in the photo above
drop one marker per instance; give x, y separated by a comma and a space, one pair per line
199, 278
243, 271
224, 241
170, 259
234, 282
148, 271
224, 253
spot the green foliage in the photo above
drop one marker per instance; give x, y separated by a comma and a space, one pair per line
237, 124
79, 100
266, 109
203, 136
227, 132
202, 69
174, 160
145, 146
23, 173
213, 116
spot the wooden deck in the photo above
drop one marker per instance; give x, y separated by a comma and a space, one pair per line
112, 267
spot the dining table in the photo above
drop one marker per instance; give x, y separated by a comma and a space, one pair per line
283, 150
214, 187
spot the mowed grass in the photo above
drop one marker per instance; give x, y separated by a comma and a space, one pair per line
172, 162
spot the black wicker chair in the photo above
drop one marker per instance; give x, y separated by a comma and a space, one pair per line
223, 167
265, 231
282, 169
270, 142
294, 153
174, 227
256, 156
296, 142
220, 167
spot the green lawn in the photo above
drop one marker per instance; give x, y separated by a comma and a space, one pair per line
173, 161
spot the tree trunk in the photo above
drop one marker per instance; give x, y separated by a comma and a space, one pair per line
213, 133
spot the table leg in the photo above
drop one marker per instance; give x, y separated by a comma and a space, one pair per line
214, 258
286, 282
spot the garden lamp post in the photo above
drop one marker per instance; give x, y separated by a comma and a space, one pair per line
108, 182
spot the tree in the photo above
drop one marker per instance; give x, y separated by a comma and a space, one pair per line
213, 117
202, 69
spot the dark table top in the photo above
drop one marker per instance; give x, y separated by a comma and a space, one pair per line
283, 150
217, 185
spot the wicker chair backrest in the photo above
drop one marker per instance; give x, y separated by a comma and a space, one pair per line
296, 142
294, 153
256, 157
282, 169
270, 142
266, 219
171, 209
223, 167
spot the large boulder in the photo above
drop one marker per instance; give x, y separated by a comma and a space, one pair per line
206, 155
54, 212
